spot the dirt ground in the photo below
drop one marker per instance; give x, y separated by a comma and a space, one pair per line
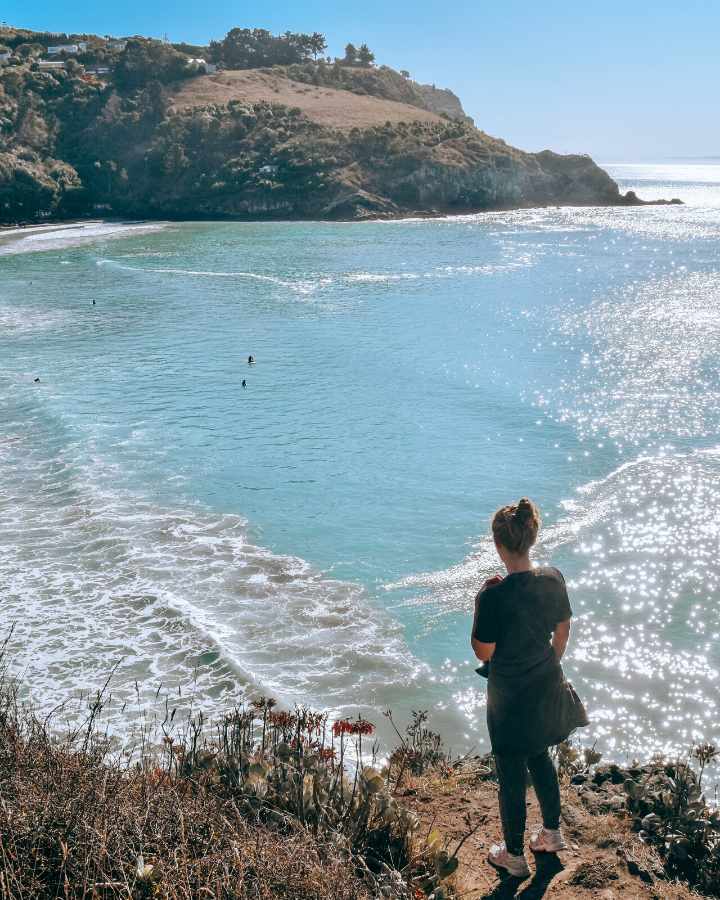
594, 868
337, 109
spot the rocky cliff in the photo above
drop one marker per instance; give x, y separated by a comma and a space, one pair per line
441, 101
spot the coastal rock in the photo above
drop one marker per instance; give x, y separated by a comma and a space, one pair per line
570, 816
638, 870
360, 204
610, 772
441, 101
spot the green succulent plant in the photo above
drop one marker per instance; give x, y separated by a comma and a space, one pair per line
678, 821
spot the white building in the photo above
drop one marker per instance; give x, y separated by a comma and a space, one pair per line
50, 64
201, 62
115, 42
68, 48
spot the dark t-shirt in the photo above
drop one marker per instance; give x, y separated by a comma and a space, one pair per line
531, 705
520, 614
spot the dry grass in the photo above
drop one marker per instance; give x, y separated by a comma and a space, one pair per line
595, 873
77, 822
607, 831
73, 826
337, 109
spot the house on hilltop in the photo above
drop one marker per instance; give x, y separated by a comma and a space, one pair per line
201, 62
68, 48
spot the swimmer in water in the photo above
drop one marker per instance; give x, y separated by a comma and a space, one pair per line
37, 379
244, 384
250, 359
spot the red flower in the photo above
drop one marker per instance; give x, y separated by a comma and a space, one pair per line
705, 753
362, 726
350, 726
263, 703
283, 720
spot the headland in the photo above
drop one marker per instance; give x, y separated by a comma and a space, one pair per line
138, 128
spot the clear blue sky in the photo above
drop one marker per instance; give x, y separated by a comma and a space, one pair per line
614, 79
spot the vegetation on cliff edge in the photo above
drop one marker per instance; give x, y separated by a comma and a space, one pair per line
73, 145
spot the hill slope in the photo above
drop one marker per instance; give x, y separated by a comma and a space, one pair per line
153, 137
336, 109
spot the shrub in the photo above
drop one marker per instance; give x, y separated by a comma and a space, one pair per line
673, 815
263, 803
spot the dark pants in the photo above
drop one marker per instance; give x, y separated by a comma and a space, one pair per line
512, 777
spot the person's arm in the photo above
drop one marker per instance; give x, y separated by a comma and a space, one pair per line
482, 650
560, 638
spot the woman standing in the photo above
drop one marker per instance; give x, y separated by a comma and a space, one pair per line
522, 625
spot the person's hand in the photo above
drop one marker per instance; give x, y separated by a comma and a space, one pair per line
491, 582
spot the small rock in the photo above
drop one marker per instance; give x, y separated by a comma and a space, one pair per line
607, 894
575, 846
610, 772
634, 868
569, 816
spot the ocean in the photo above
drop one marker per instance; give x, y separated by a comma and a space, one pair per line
317, 533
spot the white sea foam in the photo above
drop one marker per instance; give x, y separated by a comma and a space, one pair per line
17, 320
61, 237
93, 575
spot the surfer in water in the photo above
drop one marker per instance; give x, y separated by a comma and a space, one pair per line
522, 626
251, 360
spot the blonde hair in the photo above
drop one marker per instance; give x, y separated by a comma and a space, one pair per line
516, 526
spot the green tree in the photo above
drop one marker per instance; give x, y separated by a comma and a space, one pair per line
144, 60
350, 58
242, 48
317, 44
364, 57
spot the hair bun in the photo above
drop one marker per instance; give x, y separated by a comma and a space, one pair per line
516, 525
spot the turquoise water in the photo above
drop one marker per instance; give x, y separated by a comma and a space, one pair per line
319, 533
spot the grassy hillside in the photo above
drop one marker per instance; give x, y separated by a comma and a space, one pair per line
154, 137
337, 109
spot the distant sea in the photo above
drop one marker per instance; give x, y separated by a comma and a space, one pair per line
317, 534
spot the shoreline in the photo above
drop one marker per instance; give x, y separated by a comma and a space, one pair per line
26, 227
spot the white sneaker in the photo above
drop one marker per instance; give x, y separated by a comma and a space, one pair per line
548, 841
515, 865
